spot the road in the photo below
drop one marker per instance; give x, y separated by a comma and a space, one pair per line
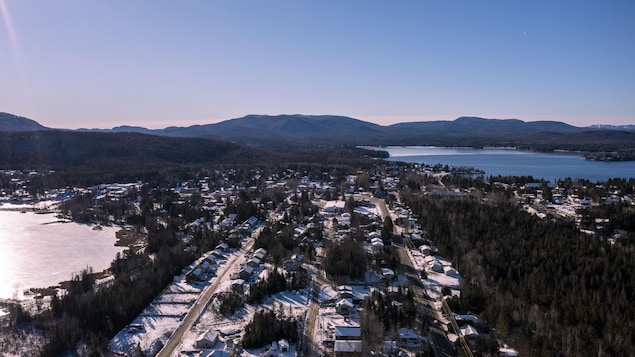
310, 347
441, 345
198, 307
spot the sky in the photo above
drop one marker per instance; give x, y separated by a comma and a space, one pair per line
99, 64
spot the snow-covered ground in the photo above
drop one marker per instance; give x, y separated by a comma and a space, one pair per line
289, 303
152, 328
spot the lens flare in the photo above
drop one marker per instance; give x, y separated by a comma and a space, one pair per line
8, 24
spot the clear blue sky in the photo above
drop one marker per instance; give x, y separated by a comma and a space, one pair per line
156, 63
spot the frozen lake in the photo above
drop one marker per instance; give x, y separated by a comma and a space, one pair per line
37, 251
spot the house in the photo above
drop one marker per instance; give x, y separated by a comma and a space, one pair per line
345, 220
435, 266
347, 348
425, 249
206, 267
377, 245
344, 306
373, 235
194, 275
387, 274
237, 286
283, 345
348, 333
448, 270
334, 206
207, 339
348, 341
234, 238
260, 253
345, 291
470, 333
253, 262
408, 338
218, 254
252, 220
246, 272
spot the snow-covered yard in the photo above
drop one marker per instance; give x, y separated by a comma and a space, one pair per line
152, 328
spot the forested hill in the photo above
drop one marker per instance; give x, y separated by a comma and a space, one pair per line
328, 130
85, 152
53, 148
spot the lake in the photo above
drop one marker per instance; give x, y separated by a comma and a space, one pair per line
38, 251
509, 162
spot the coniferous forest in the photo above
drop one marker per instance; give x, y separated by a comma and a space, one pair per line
543, 284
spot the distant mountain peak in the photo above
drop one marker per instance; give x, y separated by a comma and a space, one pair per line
10, 122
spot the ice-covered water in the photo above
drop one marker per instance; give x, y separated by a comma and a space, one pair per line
37, 250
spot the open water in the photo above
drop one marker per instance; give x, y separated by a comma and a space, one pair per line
508, 162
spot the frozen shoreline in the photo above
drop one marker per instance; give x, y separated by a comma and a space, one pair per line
42, 250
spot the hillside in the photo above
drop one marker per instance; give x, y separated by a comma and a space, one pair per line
10, 122
481, 127
282, 130
54, 148
327, 130
303, 130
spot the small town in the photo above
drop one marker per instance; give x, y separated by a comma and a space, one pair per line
303, 264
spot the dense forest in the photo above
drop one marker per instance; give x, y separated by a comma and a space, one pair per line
543, 284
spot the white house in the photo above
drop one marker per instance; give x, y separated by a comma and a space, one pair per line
283, 345
334, 206
377, 245
207, 339
348, 340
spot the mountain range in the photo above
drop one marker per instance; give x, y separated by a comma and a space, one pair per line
328, 130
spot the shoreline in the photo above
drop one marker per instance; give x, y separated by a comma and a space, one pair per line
125, 237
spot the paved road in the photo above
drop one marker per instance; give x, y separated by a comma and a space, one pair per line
198, 307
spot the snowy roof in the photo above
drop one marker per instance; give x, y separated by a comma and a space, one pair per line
348, 331
345, 301
209, 335
376, 241
347, 346
387, 271
283, 344
469, 330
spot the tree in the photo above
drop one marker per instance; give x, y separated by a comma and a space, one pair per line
372, 332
